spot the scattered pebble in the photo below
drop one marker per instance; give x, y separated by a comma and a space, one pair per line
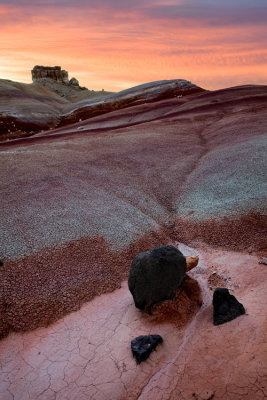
142, 346
226, 307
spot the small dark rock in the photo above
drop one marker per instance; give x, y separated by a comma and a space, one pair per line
142, 346
226, 307
74, 82
1, 263
155, 275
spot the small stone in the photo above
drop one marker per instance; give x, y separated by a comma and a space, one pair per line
226, 306
74, 82
142, 346
1, 263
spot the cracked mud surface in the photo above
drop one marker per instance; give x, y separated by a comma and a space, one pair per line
86, 355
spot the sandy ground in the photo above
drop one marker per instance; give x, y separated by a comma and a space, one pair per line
87, 355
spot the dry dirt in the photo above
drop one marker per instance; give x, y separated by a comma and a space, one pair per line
79, 202
86, 355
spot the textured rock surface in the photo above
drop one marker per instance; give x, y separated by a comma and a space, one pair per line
225, 306
87, 355
55, 73
155, 275
142, 346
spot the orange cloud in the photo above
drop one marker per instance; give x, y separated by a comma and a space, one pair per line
127, 47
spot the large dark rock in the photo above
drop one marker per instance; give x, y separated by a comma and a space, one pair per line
226, 307
142, 346
155, 275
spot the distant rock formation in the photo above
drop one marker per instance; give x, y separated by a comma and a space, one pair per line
57, 80
55, 73
44, 75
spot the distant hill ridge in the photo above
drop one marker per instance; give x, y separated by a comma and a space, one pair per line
53, 100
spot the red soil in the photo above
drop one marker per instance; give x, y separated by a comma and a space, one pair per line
87, 354
41, 288
244, 233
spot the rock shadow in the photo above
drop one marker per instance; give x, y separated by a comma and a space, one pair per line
182, 308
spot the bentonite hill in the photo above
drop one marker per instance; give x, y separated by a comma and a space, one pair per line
89, 180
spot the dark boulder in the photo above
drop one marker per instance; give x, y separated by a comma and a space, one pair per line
226, 306
142, 346
155, 275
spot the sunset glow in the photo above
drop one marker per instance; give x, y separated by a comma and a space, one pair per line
114, 44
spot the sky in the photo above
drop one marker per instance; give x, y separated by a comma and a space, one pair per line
117, 44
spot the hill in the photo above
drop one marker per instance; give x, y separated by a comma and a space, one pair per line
80, 201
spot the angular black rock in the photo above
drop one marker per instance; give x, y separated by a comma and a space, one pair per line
142, 346
155, 275
226, 307
1, 263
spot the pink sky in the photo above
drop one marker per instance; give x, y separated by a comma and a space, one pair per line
114, 45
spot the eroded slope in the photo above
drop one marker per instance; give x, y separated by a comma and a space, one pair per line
196, 174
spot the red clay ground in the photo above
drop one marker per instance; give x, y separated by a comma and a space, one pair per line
86, 355
80, 201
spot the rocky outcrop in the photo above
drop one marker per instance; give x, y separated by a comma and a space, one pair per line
45, 75
55, 73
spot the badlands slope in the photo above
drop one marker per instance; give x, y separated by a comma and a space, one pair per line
79, 201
